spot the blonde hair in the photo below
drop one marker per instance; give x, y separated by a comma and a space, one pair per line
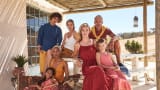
56, 47
80, 29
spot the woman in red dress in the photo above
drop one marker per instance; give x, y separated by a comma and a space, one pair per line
94, 76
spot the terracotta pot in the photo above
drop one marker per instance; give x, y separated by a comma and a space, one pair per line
18, 70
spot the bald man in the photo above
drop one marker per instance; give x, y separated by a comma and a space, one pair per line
99, 31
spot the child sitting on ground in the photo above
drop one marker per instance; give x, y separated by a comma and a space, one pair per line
47, 83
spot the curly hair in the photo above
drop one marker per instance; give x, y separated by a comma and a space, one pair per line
44, 78
56, 14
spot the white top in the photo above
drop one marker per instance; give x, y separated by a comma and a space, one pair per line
69, 43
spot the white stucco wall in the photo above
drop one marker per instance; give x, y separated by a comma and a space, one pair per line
13, 37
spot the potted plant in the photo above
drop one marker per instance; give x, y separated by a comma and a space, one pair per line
20, 60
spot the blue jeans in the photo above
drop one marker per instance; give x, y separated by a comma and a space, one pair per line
124, 69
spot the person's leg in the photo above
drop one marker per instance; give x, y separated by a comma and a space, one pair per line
117, 51
48, 58
117, 54
42, 61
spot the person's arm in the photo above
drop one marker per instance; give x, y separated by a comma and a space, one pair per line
94, 43
112, 35
76, 36
54, 81
76, 50
63, 42
59, 36
99, 63
91, 35
114, 62
98, 58
40, 38
36, 86
52, 85
66, 71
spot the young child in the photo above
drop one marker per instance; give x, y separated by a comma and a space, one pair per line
47, 83
104, 60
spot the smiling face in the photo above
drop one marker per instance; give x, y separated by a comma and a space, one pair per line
49, 74
70, 26
101, 45
54, 20
55, 52
84, 30
98, 21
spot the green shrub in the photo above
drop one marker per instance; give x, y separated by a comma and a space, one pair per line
133, 47
20, 60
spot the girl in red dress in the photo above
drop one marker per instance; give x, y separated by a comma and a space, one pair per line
104, 60
94, 76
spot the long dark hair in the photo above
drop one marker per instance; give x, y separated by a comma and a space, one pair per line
44, 78
70, 20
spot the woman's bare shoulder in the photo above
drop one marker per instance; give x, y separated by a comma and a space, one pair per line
65, 35
98, 54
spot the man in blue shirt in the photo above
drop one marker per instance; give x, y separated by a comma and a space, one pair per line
49, 35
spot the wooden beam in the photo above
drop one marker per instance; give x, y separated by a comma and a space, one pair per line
58, 4
145, 31
157, 40
107, 8
103, 3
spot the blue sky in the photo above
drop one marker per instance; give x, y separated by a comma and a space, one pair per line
119, 20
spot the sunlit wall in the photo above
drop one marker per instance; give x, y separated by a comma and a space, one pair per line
13, 39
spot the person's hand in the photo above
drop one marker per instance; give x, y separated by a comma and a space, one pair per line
62, 46
78, 63
39, 49
113, 67
117, 68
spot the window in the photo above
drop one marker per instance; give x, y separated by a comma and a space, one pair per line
35, 18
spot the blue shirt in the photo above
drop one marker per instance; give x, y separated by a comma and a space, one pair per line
49, 36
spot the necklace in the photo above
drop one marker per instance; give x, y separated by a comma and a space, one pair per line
93, 30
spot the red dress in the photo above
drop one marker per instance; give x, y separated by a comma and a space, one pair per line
119, 80
94, 76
